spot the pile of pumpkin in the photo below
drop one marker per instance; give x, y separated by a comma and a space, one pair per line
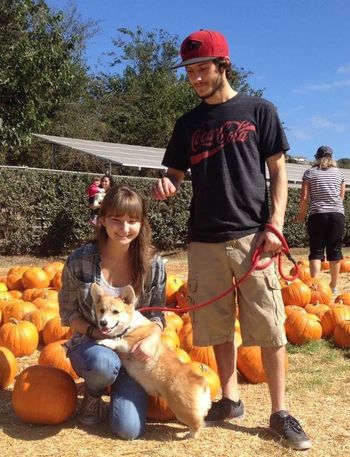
46, 393
312, 311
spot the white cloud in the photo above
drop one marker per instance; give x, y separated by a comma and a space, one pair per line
344, 69
323, 87
301, 134
324, 123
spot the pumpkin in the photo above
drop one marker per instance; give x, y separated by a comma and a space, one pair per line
17, 309
170, 338
204, 355
182, 296
301, 328
57, 280
46, 303
35, 277
320, 292
181, 355
325, 265
16, 294
185, 334
54, 355
54, 331
323, 312
51, 269
20, 337
289, 309
14, 278
158, 409
44, 395
209, 375
343, 298
173, 283
340, 313
173, 321
3, 287
345, 265
249, 364
296, 293
5, 295
303, 272
39, 317
341, 335
8, 367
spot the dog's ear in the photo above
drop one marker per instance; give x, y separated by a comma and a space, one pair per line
128, 295
96, 292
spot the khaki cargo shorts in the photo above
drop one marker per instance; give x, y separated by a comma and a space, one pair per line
212, 267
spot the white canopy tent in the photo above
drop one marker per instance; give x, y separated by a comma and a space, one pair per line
147, 157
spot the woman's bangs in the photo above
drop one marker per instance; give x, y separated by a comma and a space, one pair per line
126, 205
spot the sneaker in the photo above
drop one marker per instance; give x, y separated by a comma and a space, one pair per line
334, 290
224, 409
91, 410
288, 429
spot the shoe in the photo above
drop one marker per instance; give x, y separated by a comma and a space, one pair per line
91, 410
224, 409
335, 291
288, 429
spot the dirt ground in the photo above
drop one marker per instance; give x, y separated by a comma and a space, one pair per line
318, 394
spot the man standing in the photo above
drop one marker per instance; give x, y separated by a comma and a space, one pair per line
226, 142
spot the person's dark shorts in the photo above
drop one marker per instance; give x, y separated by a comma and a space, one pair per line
326, 232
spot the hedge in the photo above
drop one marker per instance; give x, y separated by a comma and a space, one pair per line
45, 213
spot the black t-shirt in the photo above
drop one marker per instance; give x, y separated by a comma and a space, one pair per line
226, 146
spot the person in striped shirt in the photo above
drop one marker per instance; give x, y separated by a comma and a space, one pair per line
323, 189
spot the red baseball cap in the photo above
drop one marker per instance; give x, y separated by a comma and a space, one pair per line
201, 46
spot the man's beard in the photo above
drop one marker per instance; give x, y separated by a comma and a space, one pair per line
219, 83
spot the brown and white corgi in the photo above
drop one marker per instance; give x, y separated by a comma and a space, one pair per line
187, 393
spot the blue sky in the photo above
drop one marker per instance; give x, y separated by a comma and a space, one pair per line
298, 50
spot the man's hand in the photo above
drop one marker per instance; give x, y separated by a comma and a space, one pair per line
163, 189
271, 242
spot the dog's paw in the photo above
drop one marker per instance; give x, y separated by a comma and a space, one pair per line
108, 343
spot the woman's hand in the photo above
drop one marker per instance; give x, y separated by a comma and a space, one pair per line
145, 349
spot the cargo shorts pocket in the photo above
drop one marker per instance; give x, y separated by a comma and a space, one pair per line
192, 288
274, 289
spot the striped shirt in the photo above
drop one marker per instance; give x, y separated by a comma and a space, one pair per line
325, 185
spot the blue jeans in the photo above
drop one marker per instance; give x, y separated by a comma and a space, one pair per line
101, 367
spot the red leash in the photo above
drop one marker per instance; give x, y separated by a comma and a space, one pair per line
255, 266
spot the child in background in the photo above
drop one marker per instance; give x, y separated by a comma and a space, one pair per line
93, 192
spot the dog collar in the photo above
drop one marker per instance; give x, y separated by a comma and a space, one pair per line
123, 333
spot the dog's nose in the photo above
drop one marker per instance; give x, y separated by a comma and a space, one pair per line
103, 323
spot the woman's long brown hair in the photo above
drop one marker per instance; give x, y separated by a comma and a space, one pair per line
119, 201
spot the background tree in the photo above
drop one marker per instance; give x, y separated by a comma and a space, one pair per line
41, 64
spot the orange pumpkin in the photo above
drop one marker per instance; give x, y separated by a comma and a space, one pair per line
54, 355
340, 313
14, 278
158, 409
341, 335
173, 321
204, 355
296, 293
53, 331
17, 309
182, 355
170, 338
20, 337
289, 309
303, 272
301, 328
325, 265
8, 367
39, 317
185, 334
345, 265
44, 395
182, 296
320, 292
57, 280
35, 277
343, 298
173, 283
323, 312
209, 375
